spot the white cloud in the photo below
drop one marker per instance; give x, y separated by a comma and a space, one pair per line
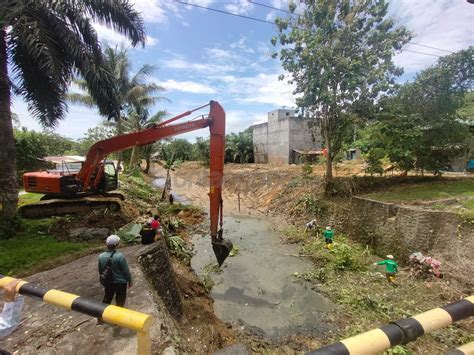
109, 36
271, 16
152, 10
113, 38
238, 120
201, 2
240, 7
77, 121
217, 53
258, 89
280, 4
151, 41
187, 86
240, 44
443, 24
204, 68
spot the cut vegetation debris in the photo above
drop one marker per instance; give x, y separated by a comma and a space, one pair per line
346, 276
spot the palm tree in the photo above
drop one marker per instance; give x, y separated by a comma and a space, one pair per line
168, 163
136, 121
45, 42
239, 147
132, 91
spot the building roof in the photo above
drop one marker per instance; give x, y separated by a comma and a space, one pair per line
65, 159
308, 152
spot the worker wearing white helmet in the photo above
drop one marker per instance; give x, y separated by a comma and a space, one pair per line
391, 268
114, 272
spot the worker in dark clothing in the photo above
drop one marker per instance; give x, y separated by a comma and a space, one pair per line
148, 234
121, 275
171, 199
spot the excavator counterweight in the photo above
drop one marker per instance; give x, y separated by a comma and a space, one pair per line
76, 192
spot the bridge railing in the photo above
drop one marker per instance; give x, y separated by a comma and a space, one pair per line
401, 331
123, 317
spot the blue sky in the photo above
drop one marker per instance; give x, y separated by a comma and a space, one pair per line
202, 55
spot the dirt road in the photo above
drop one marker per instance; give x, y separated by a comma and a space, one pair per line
49, 330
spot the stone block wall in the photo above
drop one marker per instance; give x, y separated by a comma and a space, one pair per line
401, 229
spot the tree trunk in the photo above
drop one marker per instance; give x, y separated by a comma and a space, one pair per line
132, 159
8, 174
148, 163
119, 132
167, 187
328, 157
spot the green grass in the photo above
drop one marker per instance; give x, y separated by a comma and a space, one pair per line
469, 205
26, 199
33, 247
427, 191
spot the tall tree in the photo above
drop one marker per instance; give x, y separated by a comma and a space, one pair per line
168, 162
45, 42
425, 125
339, 56
132, 90
136, 121
239, 147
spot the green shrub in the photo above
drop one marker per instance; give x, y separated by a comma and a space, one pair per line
309, 204
307, 169
345, 258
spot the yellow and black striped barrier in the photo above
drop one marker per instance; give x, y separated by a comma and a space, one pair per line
123, 317
401, 331
466, 349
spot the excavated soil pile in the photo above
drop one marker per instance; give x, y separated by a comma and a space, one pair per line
195, 328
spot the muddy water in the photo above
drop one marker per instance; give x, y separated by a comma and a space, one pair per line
258, 285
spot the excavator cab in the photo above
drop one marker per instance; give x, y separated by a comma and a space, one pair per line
109, 180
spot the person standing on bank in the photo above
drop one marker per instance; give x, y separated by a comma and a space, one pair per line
120, 275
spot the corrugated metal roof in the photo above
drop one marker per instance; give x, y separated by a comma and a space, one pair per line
65, 159
308, 152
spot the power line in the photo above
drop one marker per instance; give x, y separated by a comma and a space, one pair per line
271, 7
292, 13
424, 45
224, 12
433, 55
272, 23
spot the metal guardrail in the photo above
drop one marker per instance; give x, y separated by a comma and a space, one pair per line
402, 331
140, 322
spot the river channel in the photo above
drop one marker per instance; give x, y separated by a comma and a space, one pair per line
258, 286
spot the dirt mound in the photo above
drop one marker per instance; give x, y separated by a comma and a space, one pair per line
195, 329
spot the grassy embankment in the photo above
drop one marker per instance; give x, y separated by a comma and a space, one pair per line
347, 276
462, 189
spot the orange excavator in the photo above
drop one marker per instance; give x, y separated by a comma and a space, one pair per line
69, 191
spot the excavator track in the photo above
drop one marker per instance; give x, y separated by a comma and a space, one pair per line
55, 207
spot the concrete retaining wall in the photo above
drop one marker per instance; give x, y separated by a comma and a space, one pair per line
400, 230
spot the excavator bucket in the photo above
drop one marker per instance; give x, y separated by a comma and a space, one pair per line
222, 248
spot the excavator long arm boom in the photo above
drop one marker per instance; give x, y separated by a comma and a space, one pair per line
216, 123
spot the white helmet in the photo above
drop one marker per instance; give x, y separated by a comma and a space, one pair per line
112, 240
